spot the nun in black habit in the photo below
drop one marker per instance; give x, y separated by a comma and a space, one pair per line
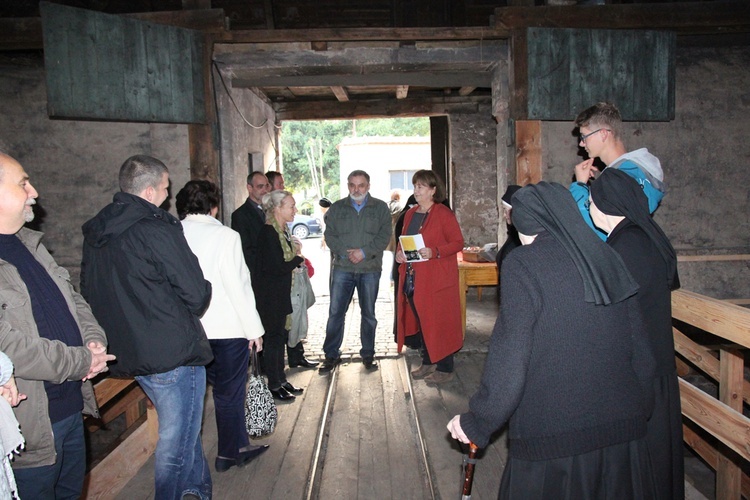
568, 366
620, 208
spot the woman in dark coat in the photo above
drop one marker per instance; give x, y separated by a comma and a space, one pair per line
434, 311
562, 363
620, 208
277, 258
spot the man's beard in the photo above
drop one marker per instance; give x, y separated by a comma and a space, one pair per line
28, 212
358, 198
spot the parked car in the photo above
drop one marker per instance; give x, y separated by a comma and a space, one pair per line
304, 225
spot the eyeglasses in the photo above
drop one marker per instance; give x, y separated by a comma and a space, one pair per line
582, 138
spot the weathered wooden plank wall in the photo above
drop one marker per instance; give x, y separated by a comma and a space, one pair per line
568, 69
107, 67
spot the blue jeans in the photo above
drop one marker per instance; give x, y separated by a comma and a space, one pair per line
63, 479
180, 465
228, 374
343, 284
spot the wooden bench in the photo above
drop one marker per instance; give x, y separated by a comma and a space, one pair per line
116, 396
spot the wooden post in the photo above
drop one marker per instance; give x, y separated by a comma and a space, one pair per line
728, 473
528, 151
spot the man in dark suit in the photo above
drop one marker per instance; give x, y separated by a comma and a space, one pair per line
249, 218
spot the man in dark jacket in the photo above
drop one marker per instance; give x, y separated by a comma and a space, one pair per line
147, 290
249, 218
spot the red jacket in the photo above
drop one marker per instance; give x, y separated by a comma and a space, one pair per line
435, 286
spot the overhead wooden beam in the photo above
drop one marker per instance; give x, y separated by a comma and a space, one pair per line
340, 93
419, 79
464, 91
330, 110
25, 33
402, 91
687, 18
364, 34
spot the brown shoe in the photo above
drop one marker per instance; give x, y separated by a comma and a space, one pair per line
422, 371
439, 377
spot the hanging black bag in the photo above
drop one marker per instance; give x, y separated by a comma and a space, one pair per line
409, 281
260, 409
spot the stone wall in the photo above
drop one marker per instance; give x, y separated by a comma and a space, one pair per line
473, 174
74, 164
246, 126
705, 154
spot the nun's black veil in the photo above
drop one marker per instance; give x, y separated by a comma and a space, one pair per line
550, 207
616, 193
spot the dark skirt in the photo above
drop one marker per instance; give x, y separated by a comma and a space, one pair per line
664, 439
621, 471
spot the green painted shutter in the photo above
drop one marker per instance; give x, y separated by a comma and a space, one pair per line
106, 67
570, 69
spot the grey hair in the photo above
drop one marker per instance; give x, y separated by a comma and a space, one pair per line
358, 173
140, 172
273, 200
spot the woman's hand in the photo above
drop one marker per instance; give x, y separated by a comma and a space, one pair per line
400, 257
258, 343
425, 252
454, 426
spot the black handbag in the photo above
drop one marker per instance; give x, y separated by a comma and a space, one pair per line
260, 409
409, 281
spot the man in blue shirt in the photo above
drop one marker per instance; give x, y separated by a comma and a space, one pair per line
600, 128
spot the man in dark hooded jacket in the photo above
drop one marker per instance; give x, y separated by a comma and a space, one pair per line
147, 290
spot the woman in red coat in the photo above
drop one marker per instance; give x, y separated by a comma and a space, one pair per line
433, 310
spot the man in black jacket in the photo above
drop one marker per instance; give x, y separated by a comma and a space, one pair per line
147, 290
249, 218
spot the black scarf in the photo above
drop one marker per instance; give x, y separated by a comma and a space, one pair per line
550, 207
616, 193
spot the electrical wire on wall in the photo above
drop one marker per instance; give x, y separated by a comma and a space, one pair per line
272, 141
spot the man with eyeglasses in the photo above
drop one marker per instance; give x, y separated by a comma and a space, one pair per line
600, 134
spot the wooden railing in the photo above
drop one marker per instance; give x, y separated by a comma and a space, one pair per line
722, 418
115, 397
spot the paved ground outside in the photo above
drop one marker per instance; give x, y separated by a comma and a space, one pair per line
480, 315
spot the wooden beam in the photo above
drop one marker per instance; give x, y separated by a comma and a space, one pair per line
528, 152
402, 91
114, 472
202, 138
728, 321
712, 258
728, 473
364, 34
729, 426
464, 91
25, 33
340, 93
331, 110
350, 78
518, 79
110, 387
687, 18
710, 455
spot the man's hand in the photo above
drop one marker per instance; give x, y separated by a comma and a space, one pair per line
10, 392
585, 171
454, 426
258, 343
356, 255
99, 359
